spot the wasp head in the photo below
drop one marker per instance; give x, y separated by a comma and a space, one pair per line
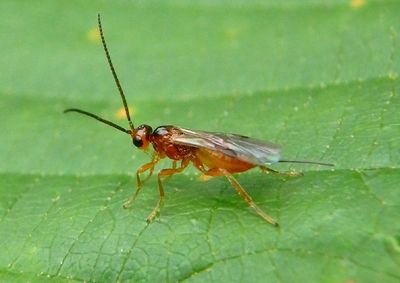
141, 136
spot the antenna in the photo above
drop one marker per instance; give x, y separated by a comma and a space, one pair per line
121, 92
98, 118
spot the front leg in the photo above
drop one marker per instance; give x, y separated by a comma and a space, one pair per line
142, 169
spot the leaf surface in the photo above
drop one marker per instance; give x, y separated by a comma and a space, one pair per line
321, 79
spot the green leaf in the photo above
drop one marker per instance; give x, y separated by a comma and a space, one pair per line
319, 79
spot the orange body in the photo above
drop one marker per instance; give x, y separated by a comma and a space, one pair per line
214, 159
162, 140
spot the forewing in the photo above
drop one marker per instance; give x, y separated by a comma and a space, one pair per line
241, 147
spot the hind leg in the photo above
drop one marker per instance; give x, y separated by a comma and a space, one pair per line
240, 190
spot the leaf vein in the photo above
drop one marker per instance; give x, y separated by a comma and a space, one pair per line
75, 241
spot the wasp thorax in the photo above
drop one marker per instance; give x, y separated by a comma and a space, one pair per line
141, 136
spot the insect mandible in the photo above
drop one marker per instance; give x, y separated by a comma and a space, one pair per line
213, 154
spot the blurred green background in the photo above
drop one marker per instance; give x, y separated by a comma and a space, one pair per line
318, 77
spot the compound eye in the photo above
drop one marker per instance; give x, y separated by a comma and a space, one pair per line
137, 141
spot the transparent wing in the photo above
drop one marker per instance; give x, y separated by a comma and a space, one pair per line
241, 147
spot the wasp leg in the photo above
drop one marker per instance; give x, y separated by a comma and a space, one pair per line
173, 167
241, 191
290, 173
154, 160
142, 169
199, 165
152, 169
165, 173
